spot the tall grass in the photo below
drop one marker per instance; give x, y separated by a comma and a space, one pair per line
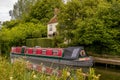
18, 71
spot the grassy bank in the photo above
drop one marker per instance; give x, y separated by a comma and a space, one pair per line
18, 71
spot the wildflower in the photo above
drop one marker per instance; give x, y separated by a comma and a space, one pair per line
34, 66
54, 72
12, 60
11, 78
41, 64
43, 69
68, 73
84, 74
48, 77
27, 61
34, 76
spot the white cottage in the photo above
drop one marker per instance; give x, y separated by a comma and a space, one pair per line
51, 27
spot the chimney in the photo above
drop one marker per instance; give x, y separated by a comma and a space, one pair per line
56, 11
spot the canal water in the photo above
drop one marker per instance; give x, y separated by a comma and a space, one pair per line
108, 73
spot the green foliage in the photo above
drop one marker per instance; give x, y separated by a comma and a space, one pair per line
42, 42
5, 48
30, 42
58, 41
23, 31
17, 35
79, 75
92, 23
10, 24
91, 77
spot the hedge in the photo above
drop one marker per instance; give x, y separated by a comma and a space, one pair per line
5, 48
0, 48
42, 42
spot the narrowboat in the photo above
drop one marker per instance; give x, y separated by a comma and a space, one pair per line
74, 57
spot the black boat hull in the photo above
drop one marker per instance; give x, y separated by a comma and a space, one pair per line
55, 63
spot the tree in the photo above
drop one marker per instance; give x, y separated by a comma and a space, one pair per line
91, 23
17, 35
43, 10
23, 31
22, 8
10, 24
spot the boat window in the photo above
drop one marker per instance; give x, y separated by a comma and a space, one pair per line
75, 53
82, 53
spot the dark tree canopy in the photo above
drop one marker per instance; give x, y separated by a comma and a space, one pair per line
91, 22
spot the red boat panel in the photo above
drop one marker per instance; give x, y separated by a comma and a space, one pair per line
13, 50
49, 52
18, 50
29, 51
60, 53
38, 51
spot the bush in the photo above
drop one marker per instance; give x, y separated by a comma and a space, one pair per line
5, 48
30, 42
0, 48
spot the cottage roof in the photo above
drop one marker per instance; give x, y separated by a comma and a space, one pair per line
53, 20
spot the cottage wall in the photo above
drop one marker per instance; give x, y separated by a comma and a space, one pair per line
51, 29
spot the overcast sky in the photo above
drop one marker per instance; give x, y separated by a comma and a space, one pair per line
5, 7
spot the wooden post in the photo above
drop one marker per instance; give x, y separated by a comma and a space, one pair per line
94, 64
106, 66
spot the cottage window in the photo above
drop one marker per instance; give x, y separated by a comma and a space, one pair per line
50, 28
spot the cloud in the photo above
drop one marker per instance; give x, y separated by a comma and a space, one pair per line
5, 7
4, 17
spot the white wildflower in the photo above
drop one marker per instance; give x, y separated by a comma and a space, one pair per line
34, 76
43, 69
11, 78
68, 73
27, 61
